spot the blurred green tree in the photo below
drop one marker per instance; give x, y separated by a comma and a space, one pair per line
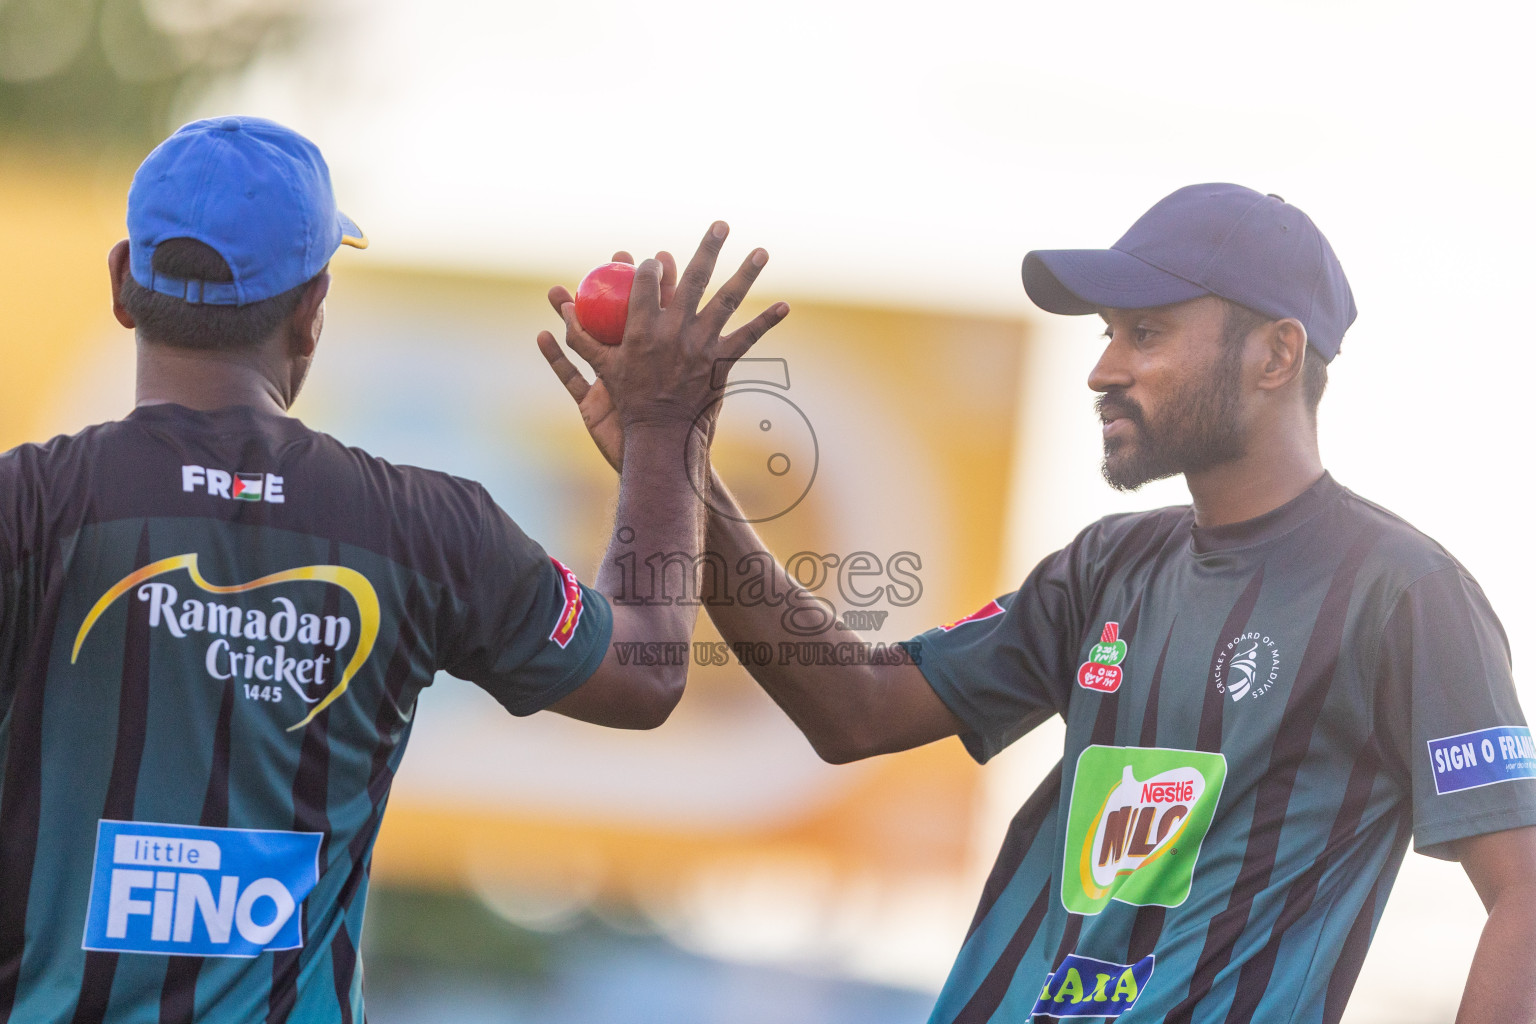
114, 71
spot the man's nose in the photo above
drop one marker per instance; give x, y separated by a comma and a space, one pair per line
1110, 371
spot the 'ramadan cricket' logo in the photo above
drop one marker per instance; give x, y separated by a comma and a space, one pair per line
269, 649
1102, 670
1137, 820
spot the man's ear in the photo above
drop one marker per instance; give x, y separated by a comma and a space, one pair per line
117, 269
309, 316
1282, 349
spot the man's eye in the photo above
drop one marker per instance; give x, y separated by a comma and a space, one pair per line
1139, 335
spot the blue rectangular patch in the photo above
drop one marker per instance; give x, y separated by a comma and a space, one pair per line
1482, 758
187, 890
1085, 987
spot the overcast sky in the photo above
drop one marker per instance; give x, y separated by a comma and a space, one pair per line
914, 157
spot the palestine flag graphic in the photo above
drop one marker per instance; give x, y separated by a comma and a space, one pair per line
247, 486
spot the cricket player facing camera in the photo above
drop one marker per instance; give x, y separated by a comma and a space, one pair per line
1267, 692
215, 622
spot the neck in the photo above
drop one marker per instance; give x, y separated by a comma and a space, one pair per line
1271, 474
204, 379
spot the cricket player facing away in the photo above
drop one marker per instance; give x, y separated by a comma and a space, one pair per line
215, 622
1267, 692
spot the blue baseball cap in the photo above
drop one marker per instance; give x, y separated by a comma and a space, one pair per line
255, 191
1256, 250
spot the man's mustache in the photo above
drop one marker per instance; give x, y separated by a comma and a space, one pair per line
1112, 405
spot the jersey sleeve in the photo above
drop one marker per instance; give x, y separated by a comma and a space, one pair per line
1448, 714
1001, 670
10, 499
526, 630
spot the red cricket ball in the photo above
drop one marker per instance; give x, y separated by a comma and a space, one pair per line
602, 301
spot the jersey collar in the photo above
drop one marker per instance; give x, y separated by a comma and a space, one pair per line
1271, 525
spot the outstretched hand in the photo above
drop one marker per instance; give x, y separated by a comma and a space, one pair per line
592, 399
665, 368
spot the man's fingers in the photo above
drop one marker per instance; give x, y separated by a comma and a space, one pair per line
644, 298
668, 277
586, 346
731, 294
690, 287
566, 370
558, 297
735, 344
623, 256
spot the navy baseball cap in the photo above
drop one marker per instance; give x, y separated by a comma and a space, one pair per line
1256, 250
257, 192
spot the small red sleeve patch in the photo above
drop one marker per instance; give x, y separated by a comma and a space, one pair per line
986, 611
570, 613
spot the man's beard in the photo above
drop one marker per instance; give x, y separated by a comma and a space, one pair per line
1199, 430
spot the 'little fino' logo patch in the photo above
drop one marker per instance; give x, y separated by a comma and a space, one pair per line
1135, 825
195, 891
1473, 759
1102, 670
1085, 987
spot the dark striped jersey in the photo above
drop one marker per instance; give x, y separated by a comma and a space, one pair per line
213, 631
1258, 716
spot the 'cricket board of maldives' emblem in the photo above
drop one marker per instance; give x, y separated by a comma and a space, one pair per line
1102, 671
1248, 666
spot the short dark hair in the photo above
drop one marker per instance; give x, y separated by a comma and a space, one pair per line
1241, 321
168, 320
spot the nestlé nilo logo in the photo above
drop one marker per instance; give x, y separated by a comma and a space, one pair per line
1135, 825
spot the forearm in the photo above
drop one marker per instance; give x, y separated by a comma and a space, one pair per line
1501, 985
659, 513
659, 510
846, 711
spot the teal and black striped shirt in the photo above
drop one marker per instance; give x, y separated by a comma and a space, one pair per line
1259, 716
213, 631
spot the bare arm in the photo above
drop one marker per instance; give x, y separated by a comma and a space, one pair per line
659, 381
848, 712
1501, 986
662, 513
